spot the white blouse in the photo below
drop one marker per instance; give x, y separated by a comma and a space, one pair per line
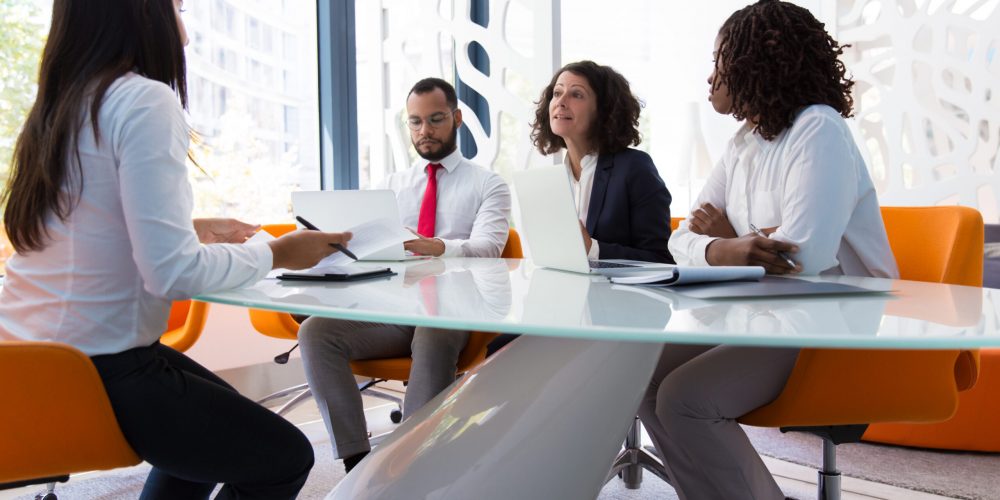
812, 184
105, 280
582, 190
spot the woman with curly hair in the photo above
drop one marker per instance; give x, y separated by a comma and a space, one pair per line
794, 171
624, 207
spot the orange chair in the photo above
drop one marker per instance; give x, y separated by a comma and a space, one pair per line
56, 417
283, 326
824, 398
973, 427
186, 322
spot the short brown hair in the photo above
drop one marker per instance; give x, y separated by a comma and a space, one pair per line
776, 58
616, 126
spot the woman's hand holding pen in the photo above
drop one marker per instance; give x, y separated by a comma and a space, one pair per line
752, 250
304, 249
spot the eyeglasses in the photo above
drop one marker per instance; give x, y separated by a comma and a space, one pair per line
434, 121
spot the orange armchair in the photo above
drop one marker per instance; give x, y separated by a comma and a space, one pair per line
283, 326
973, 426
886, 386
186, 322
57, 420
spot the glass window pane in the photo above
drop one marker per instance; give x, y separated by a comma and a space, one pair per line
254, 103
24, 24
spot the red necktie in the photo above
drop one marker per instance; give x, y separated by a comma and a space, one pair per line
428, 292
428, 207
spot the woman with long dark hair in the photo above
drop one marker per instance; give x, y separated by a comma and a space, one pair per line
98, 208
792, 194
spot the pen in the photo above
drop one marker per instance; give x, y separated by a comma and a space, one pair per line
308, 225
783, 255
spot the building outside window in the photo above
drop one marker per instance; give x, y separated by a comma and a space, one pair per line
258, 139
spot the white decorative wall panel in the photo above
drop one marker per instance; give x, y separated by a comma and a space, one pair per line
927, 98
425, 38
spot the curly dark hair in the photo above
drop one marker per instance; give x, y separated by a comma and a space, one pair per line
776, 58
616, 126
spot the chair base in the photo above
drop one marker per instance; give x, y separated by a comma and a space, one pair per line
49, 482
828, 485
368, 388
302, 394
633, 459
828, 478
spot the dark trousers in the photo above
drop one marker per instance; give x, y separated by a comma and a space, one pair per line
197, 431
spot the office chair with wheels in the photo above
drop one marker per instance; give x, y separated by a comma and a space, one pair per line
282, 325
885, 386
56, 417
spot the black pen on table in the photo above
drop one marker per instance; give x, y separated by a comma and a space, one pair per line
783, 255
308, 225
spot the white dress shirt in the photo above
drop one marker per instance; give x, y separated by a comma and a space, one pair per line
473, 205
581, 195
105, 280
812, 183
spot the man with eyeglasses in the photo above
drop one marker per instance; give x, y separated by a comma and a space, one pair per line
456, 209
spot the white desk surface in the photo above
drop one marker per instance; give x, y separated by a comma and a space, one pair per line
515, 297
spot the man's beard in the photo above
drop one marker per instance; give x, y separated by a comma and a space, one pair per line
442, 151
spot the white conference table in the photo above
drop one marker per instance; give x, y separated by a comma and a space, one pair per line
545, 417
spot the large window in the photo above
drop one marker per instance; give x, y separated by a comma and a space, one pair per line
23, 27
254, 104
252, 73
667, 58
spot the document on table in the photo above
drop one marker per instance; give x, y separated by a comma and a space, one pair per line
686, 275
368, 238
261, 236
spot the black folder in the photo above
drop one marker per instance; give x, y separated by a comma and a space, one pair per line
337, 273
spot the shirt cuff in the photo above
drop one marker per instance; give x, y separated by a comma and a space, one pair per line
595, 250
699, 255
264, 258
452, 248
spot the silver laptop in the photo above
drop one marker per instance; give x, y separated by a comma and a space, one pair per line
551, 227
335, 211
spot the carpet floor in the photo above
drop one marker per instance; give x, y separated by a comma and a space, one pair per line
954, 474
959, 475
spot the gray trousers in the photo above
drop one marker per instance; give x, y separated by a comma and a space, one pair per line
690, 411
329, 345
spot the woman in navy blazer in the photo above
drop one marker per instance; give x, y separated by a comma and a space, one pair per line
624, 207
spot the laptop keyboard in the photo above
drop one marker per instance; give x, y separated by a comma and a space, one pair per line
597, 264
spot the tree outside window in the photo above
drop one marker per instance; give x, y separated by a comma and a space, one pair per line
23, 26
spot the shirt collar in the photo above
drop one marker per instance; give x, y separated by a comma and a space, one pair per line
450, 162
745, 136
588, 162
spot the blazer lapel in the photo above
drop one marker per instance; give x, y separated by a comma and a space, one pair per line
602, 175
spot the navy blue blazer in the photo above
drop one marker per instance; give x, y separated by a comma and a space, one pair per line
629, 212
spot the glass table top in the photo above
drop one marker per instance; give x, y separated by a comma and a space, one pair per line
513, 296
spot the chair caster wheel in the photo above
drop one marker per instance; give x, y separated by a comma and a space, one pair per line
396, 416
47, 496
